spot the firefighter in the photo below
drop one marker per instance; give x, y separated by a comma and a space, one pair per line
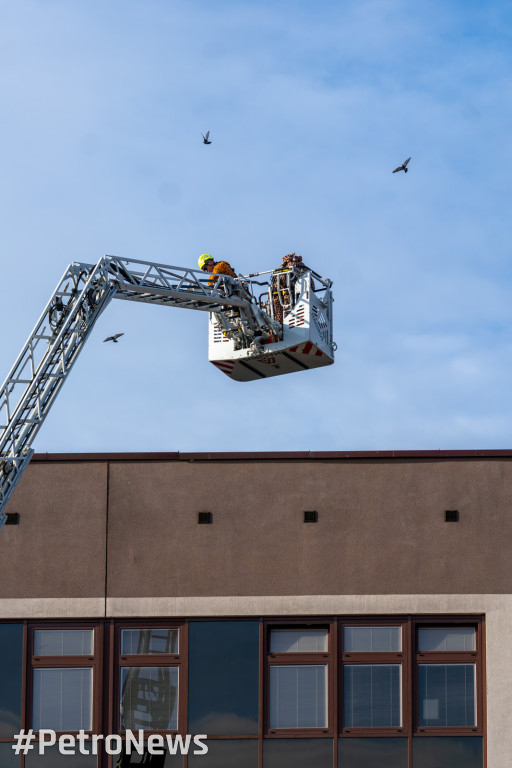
207, 264
283, 285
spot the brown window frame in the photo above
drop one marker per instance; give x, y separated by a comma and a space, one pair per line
178, 660
106, 662
475, 657
300, 658
93, 661
373, 658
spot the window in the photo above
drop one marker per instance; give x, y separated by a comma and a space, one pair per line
298, 696
223, 754
370, 752
298, 753
372, 661
11, 677
372, 639
372, 695
298, 678
446, 639
149, 678
298, 640
224, 678
149, 698
63, 642
64, 664
336, 692
131, 758
448, 663
148, 641
453, 751
447, 694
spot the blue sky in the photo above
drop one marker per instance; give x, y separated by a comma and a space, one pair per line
310, 106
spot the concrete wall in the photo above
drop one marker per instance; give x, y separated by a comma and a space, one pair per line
128, 528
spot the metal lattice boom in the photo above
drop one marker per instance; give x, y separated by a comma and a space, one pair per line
69, 317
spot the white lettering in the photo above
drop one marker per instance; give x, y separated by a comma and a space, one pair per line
131, 741
156, 745
109, 741
43, 741
115, 745
82, 737
95, 738
198, 741
178, 742
67, 744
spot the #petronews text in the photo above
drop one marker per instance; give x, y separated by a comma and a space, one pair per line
114, 744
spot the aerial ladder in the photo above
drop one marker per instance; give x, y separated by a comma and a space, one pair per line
246, 342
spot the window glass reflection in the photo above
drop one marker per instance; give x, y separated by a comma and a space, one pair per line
7, 757
372, 639
226, 754
149, 641
52, 758
223, 677
373, 753
11, 663
63, 642
149, 698
62, 699
446, 639
125, 760
372, 696
452, 751
298, 640
298, 696
297, 753
447, 694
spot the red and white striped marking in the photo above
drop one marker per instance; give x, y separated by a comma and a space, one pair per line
306, 349
226, 366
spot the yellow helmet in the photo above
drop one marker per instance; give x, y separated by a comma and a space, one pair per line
203, 259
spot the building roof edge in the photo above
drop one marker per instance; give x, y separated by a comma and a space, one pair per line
273, 455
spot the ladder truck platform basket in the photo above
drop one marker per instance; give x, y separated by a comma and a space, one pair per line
302, 340
261, 325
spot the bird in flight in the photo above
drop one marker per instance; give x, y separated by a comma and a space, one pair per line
402, 167
205, 138
114, 338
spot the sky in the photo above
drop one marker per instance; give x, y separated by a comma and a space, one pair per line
310, 105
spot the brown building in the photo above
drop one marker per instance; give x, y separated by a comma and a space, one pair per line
337, 610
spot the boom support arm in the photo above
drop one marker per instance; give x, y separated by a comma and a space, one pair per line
81, 295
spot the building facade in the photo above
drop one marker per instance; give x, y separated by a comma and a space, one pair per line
337, 610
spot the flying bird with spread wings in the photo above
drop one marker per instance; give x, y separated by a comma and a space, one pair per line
113, 338
402, 167
205, 138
